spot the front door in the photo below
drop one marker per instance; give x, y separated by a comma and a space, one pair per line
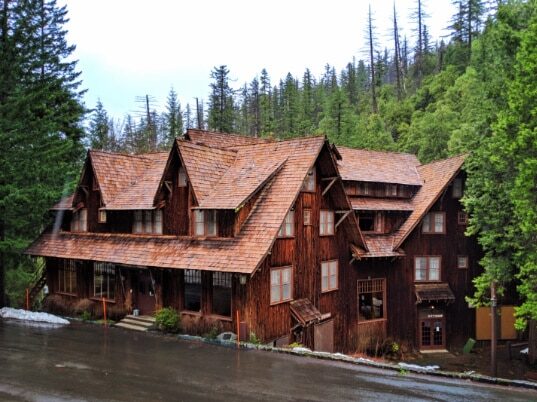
145, 294
432, 333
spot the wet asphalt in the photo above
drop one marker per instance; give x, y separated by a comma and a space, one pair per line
85, 362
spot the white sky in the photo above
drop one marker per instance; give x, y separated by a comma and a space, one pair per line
129, 48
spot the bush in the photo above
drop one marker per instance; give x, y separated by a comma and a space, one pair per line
84, 307
56, 304
168, 320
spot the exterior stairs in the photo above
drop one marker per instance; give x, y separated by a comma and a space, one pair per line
137, 323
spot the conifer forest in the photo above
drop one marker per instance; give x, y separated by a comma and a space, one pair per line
473, 92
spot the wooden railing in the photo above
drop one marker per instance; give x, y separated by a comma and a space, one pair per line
39, 281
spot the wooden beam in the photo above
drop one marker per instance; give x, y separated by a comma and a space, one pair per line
168, 185
328, 178
342, 218
85, 189
329, 185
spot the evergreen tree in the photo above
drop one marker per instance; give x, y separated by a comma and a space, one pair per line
221, 101
266, 110
99, 128
173, 119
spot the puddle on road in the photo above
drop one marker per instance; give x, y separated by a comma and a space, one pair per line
70, 365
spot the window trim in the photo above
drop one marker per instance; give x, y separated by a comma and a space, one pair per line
203, 213
182, 180
105, 265
79, 220
427, 268
462, 218
391, 190
384, 298
101, 215
68, 266
332, 228
432, 215
282, 232
185, 310
336, 274
142, 225
306, 216
280, 284
466, 263
230, 287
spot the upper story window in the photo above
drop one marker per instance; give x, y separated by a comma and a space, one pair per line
205, 222
79, 223
427, 268
391, 190
329, 274
434, 222
281, 284
364, 188
371, 299
457, 188
147, 221
309, 181
102, 216
371, 221
326, 223
462, 218
288, 226
462, 261
181, 177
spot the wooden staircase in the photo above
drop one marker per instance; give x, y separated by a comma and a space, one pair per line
137, 323
39, 284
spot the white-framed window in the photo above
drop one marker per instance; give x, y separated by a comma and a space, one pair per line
462, 261
457, 188
104, 280
391, 190
67, 277
288, 226
205, 222
427, 268
307, 217
462, 218
326, 223
434, 222
329, 275
137, 225
147, 221
181, 177
157, 227
281, 284
371, 299
79, 223
364, 188
102, 215
310, 181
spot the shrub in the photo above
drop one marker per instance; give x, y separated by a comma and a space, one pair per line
83, 306
56, 304
115, 312
168, 320
86, 316
253, 339
213, 332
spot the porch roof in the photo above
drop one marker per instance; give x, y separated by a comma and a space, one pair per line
305, 312
433, 292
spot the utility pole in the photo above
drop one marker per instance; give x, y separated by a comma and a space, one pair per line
493, 338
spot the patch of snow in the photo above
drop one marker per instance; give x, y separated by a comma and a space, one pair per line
419, 368
301, 350
227, 336
362, 359
18, 314
525, 351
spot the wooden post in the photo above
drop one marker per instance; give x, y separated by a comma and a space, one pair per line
493, 339
104, 311
238, 330
27, 299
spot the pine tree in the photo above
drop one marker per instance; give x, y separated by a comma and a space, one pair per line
266, 110
173, 119
99, 128
221, 101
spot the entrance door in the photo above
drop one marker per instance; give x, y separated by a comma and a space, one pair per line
432, 333
145, 294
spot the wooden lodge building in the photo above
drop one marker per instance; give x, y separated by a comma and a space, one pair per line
335, 248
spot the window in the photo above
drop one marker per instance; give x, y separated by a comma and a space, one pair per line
462, 261
79, 223
222, 293
457, 188
434, 222
462, 218
427, 268
102, 216
288, 226
391, 190
366, 221
192, 289
147, 221
364, 188
67, 277
181, 177
104, 280
329, 274
309, 181
281, 281
205, 222
326, 226
307, 217
371, 299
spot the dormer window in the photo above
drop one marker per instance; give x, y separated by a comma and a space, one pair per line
434, 222
79, 223
181, 177
364, 188
205, 222
326, 224
147, 221
391, 190
102, 216
309, 181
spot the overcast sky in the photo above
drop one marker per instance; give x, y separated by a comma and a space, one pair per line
129, 48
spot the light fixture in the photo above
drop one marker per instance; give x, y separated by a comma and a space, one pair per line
242, 279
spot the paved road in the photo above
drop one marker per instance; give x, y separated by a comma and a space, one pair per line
83, 362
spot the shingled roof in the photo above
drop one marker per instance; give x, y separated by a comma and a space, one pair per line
222, 140
377, 166
381, 204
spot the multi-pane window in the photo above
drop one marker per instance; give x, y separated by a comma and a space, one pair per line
364, 188
457, 188
181, 177
462, 261
104, 280
222, 293
434, 222
371, 299
147, 221
281, 281
307, 217
79, 223
391, 190
102, 216
326, 223
205, 222
192, 289
67, 277
309, 181
329, 275
462, 218
288, 226
427, 268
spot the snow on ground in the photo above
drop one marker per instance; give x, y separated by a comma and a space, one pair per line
416, 367
525, 351
8, 312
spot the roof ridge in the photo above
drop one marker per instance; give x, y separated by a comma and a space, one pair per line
462, 155
378, 151
203, 145
139, 156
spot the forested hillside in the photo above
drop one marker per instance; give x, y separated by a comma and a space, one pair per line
474, 92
